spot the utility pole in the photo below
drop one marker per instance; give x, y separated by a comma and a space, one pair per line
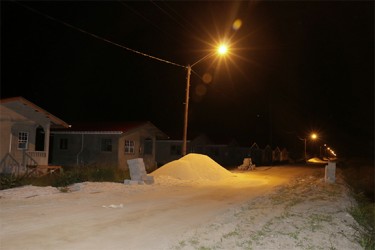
184, 146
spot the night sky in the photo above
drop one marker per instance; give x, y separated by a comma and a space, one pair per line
293, 67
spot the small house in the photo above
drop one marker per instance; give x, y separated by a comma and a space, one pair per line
106, 144
276, 155
25, 135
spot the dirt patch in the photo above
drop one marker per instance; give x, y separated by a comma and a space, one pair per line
269, 208
305, 214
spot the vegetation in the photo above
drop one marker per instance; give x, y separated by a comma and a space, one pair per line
364, 214
9, 181
69, 176
360, 175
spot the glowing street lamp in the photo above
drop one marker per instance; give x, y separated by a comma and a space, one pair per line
221, 50
313, 136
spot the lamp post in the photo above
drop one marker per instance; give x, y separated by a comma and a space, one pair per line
222, 49
312, 136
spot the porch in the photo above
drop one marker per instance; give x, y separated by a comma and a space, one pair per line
33, 163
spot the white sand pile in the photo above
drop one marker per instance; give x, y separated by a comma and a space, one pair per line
27, 192
193, 167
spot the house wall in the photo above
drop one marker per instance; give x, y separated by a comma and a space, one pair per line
226, 156
84, 149
168, 150
139, 137
5, 135
22, 127
122, 156
68, 156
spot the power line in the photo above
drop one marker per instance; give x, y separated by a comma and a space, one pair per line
99, 37
170, 16
148, 21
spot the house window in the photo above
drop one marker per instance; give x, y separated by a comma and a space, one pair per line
175, 149
63, 143
23, 138
106, 145
129, 147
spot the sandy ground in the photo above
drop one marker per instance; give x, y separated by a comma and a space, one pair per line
269, 208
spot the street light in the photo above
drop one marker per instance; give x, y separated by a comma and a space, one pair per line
312, 136
221, 50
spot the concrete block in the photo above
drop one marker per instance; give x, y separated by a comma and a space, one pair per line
148, 179
330, 172
130, 182
136, 168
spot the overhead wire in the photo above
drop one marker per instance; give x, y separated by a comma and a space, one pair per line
170, 15
98, 37
146, 19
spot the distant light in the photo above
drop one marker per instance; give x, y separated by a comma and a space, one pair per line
314, 136
222, 49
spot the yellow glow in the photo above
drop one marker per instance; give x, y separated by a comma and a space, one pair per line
237, 24
314, 136
223, 49
207, 78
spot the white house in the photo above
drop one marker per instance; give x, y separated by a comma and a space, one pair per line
25, 135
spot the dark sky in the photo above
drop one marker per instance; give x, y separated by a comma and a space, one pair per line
294, 67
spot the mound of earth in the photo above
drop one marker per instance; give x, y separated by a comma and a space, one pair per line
193, 167
316, 160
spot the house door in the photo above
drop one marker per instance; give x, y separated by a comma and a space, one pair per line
147, 144
39, 139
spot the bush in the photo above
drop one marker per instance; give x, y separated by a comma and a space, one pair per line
359, 174
9, 181
90, 173
69, 176
364, 214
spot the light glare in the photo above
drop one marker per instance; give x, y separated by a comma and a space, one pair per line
222, 49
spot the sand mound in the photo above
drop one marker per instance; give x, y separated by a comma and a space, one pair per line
193, 167
316, 160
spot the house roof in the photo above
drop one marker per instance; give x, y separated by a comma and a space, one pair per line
109, 128
17, 103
